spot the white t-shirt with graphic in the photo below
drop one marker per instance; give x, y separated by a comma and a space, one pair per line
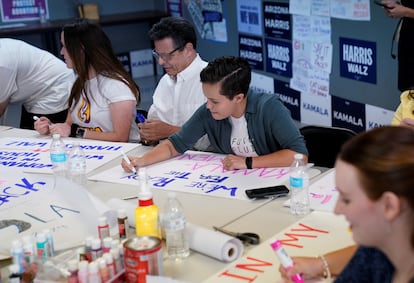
239, 140
94, 113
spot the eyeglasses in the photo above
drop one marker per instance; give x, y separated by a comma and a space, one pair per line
165, 56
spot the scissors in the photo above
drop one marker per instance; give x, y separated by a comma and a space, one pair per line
247, 238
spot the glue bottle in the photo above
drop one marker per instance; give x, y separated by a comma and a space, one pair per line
146, 214
285, 260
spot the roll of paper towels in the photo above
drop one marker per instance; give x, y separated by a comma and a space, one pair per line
208, 242
214, 244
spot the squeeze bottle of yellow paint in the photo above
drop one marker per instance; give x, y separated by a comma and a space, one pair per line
146, 214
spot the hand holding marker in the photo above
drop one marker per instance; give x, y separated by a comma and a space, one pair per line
35, 118
285, 260
128, 162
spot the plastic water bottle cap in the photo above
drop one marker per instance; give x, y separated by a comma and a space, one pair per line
56, 136
298, 156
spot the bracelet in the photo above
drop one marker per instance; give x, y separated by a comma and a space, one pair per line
249, 162
326, 271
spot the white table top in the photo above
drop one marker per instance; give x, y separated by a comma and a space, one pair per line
264, 217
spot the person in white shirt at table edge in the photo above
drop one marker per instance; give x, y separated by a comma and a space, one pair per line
35, 78
255, 130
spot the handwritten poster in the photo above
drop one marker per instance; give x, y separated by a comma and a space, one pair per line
357, 10
200, 173
30, 203
317, 233
32, 154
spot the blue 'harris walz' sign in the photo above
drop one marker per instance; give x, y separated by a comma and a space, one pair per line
358, 59
279, 57
348, 114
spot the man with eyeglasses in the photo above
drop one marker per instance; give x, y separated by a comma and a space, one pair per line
179, 92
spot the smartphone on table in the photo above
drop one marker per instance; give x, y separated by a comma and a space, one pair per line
267, 192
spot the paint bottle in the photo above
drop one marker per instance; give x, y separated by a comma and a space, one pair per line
103, 270
121, 256
93, 273
50, 243
106, 244
73, 271
96, 251
117, 255
28, 250
18, 255
83, 271
103, 227
110, 264
146, 214
88, 248
41, 247
122, 224
285, 260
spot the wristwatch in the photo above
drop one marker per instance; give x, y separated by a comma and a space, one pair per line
80, 133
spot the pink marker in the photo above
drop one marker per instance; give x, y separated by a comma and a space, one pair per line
285, 260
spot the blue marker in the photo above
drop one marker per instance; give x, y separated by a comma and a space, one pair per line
140, 118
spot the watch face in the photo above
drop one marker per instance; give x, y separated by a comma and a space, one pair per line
80, 133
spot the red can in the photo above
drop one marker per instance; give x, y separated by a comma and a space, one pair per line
143, 255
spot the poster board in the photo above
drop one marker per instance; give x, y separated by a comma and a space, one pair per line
30, 203
31, 154
315, 234
200, 173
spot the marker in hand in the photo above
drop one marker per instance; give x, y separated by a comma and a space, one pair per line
285, 260
128, 162
35, 118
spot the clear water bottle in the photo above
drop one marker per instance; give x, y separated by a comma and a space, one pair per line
58, 156
299, 186
173, 222
77, 164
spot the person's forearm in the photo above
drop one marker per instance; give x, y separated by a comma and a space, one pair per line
337, 260
280, 158
161, 152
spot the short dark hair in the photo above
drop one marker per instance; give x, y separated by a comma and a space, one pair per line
233, 73
179, 29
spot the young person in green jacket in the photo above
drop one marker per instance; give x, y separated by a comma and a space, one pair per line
254, 130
